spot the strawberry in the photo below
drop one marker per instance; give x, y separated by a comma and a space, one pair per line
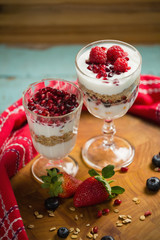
115, 52
121, 65
97, 55
69, 185
96, 189
60, 184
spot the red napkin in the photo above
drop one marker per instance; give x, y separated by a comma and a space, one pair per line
16, 150
147, 104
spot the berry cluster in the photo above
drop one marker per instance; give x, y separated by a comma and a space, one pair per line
52, 102
105, 63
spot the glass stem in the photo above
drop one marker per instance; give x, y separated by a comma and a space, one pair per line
108, 132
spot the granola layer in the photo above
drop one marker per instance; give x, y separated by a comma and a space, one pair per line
52, 140
112, 98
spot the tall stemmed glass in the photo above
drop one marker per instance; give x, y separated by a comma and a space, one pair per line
108, 98
54, 135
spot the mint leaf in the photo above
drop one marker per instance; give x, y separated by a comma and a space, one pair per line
53, 182
45, 185
93, 172
52, 173
108, 171
117, 190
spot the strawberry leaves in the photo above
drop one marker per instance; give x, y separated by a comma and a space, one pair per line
53, 182
107, 172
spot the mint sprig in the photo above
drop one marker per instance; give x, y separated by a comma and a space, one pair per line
53, 182
107, 172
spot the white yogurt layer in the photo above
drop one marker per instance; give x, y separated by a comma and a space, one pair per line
126, 79
57, 151
54, 130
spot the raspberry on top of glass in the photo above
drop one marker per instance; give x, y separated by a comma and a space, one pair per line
106, 63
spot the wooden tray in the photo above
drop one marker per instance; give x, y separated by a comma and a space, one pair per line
145, 137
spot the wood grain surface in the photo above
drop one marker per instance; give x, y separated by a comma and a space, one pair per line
145, 137
80, 21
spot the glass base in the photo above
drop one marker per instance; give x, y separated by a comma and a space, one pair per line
67, 164
97, 154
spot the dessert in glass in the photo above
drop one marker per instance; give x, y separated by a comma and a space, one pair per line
108, 73
53, 108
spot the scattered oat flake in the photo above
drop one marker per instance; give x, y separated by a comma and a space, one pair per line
129, 216
74, 236
71, 229
138, 201
89, 235
30, 226
95, 236
88, 225
36, 213
116, 210
78, 230
80, 238
81, 215
51, 214
49, 211
119, 224
30, 206
127, 220
75, 233
52, 229
76, 217
134, 199
122, 216
142, 218
72, 209
39, 216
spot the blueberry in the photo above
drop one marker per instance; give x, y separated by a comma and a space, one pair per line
63, 232
107, 238
153, 184
156, 160
51, 203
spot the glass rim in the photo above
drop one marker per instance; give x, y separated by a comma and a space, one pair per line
52, 79
103, 41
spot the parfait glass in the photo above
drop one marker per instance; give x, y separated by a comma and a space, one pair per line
108, 98
53, 136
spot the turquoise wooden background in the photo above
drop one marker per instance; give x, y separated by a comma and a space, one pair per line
21, 66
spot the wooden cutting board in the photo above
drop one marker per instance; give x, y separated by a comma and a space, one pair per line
145, 137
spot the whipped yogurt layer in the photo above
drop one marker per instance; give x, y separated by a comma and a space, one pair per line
88, 79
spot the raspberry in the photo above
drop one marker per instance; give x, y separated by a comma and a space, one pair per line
121, 65
97, 55
115, 52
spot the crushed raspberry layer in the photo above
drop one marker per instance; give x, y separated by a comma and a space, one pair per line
52, 102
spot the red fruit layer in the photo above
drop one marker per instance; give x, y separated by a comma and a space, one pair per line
104, 62
52, 102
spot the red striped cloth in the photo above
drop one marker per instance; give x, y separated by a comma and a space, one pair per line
16, 150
